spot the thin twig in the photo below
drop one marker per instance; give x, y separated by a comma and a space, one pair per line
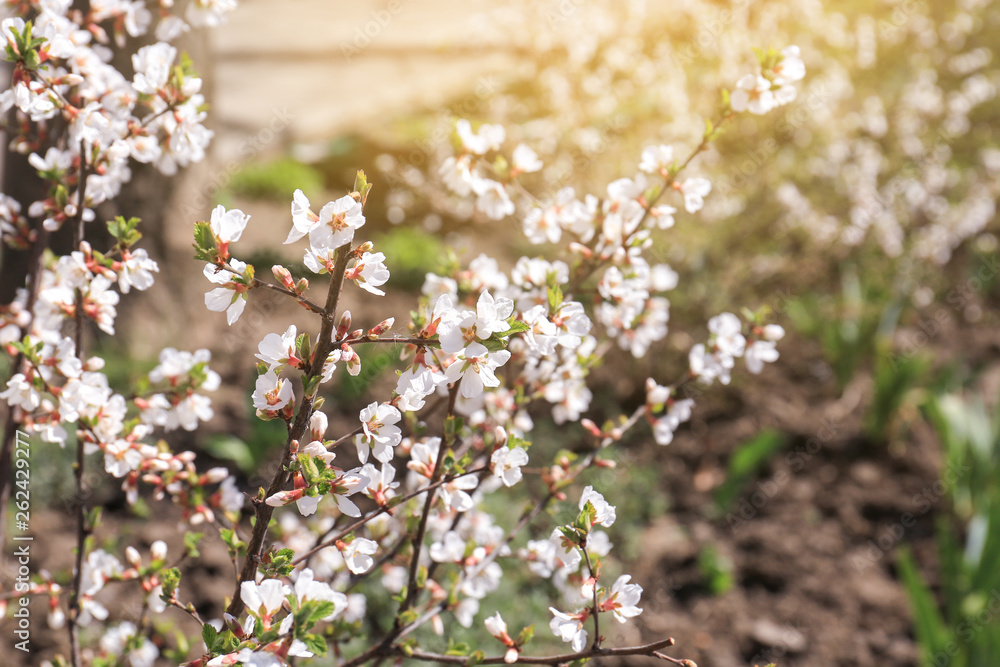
382, 510
384, 647
394, 340
344, 438
676, 661
566, 658
418, 541
597, 610
526, 518
287, 292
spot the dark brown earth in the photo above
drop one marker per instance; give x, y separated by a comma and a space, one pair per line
812, 540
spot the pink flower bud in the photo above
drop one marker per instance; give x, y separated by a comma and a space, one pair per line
591, 427
283, 498
381, 327
345, 324
234, 625
202, 514
283, 276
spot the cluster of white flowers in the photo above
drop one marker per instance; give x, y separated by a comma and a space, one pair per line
59, 389
715, 360
63, 71
81, 122
897, 169
155, 118
773, 87
486, 343
99, 568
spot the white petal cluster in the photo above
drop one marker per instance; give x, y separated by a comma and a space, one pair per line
716, 359
379, 432
333, 227
760, 94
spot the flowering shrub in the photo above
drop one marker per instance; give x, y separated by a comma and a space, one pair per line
884, 161
482, 347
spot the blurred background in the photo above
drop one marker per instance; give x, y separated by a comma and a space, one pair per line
842, 508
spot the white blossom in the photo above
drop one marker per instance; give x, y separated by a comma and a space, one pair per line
263, 599
695, 190
378, 421
228, 225
656, 159
568, 628
623, 599
605, 513
358, 555
506, 464
272, 392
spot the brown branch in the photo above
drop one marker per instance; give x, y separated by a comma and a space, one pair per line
386, 647
287, 292
526, 518
681, 662
418, 540
344, 438
157, 114
187, 609
566, 658
597, 610
395, 340
263, 511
